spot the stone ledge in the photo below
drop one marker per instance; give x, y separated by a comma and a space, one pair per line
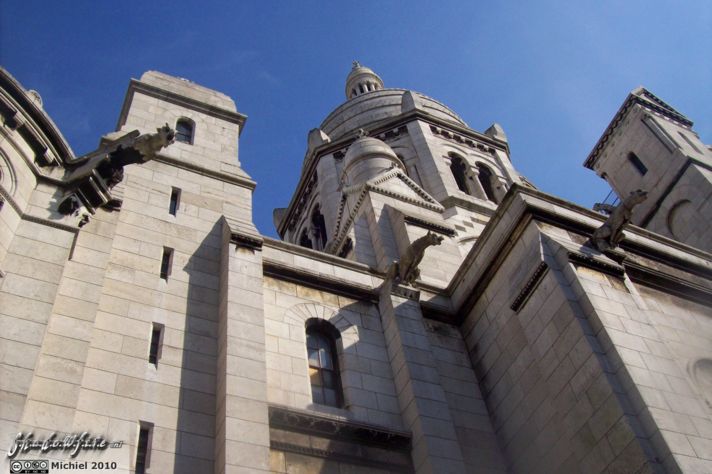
339, 286
301, 421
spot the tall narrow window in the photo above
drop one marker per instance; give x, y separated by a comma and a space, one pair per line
154, 351
184, 131
323, 364
319, 226
166, 262
143, 447
175, 201
458, 168
485, 177
637, 163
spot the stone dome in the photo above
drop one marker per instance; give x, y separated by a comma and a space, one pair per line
366, 109
366, 158
368, 103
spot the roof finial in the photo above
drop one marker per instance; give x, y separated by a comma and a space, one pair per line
355, 64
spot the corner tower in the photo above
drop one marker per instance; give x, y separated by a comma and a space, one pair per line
651, 146
389, 165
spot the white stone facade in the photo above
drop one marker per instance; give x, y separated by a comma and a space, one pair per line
138, 301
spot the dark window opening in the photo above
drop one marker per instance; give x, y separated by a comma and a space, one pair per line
324, 373
458, 169
637, 163
304, 240
360, 88
142, 448
319, 226
166, 262
154, 352
485, 177
184, 131
175, 201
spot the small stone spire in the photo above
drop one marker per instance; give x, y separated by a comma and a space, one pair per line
361, 80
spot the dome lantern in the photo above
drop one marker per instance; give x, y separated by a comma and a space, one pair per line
361, 80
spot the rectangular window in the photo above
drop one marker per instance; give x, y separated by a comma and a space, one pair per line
175, 201
166, 262
154, 352
143, 447
637, 163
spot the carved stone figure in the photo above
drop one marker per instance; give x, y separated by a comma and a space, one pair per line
150, 143
406, 270
610, 233
69, 205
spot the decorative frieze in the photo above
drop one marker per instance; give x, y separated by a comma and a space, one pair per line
448, 135
529, 287
320, 424
303, 202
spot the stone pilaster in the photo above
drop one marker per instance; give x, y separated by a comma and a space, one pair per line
421, 398
242, 428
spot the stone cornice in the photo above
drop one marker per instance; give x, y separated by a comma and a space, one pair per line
529, 287
331, 426
652, 103
37, 116
319, 256
441, 228
187, 102
342, 226
468, 204
664, 281
318, 281
29, 217
243, 181
520, 207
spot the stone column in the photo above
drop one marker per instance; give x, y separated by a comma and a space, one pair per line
473, 176
242, 425
421, 398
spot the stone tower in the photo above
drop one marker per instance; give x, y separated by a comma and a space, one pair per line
651, 146
388, 165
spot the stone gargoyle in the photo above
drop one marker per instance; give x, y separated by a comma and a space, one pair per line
91, 177
610, 233
406, 270
130, 149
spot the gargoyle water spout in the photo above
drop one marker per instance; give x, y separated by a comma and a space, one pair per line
610, 233
406, 270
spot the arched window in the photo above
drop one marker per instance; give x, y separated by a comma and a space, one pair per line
485, 176
319, 226
304, 240
324, 373
637, 163
184, 131
458, 167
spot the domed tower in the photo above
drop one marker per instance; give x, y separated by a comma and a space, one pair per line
361, 80
389, 165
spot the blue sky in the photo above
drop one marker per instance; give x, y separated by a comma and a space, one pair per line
552, 74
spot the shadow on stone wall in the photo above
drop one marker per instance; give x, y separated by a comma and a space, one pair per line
195, 437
